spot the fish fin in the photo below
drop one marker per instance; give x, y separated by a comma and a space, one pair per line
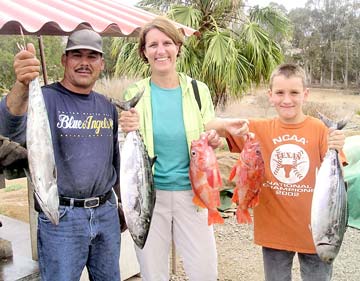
214, 217
197, 201
254, 201
243, 216
212, 177
153, 160
216, 197
235, 197
28, 175
219, 179
232, 173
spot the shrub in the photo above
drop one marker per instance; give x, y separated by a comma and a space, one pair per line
312, 109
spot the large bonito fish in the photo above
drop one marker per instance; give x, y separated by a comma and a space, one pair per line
41, 154
136, 181
329, 204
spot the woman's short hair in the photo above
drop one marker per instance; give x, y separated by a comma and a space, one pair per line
165, 26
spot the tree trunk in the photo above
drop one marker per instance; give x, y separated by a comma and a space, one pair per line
346, 83
332, 59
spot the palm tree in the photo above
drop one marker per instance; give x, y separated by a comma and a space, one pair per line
233, 52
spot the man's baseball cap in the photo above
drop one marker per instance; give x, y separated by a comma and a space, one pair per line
84, 39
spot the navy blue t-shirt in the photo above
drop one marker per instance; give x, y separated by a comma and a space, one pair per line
84, 134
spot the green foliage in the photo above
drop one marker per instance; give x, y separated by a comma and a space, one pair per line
233, 51
326, 39
8, 50
53, 48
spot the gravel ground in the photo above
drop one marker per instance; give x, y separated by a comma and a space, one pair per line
241, 260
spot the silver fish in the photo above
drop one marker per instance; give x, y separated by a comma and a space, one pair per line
329, 204
41, 154
136, 181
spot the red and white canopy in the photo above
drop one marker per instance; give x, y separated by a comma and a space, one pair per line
61, 17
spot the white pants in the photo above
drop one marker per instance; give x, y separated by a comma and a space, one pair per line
194, 239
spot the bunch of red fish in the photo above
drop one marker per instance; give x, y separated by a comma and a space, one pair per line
249, 171
206, 180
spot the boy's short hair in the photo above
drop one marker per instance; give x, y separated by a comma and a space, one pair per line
165, 26
288, 70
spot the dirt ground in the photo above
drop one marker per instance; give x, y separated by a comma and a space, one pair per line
239, 258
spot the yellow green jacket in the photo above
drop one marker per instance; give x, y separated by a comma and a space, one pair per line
194, 120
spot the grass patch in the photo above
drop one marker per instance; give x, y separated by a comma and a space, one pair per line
13, 187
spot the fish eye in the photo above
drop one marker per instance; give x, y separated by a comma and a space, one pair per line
193, 153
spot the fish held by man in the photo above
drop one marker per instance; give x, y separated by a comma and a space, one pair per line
205, 178
249, 174
41, 154
329, 203
136, 181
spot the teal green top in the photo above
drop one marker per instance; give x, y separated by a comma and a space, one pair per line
193, 120
170, 146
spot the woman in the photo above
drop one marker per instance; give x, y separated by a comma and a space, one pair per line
170, 118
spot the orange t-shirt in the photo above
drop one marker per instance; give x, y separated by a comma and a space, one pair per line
292, 154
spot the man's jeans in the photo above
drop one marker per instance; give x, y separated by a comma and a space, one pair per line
278, 265
83, 237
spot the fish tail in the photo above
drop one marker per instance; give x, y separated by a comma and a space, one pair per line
197, 201
332, 124
214, 217
243, 216
126, 105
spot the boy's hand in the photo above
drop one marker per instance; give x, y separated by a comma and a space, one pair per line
213, 139
129, 120
336, 139
237, 127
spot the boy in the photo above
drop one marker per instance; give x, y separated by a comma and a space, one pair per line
293, 146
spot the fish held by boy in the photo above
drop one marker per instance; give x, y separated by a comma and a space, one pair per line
329, 203
41, 154
205, 178
136, 181
249, 172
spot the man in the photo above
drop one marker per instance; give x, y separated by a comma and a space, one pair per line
84, 133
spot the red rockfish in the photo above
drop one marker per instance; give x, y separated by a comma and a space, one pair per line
249, 171
205, 178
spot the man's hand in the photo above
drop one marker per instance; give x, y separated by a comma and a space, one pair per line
26, 65
10, 151
27, 68
129, 120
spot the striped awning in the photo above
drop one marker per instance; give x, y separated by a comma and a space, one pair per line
61, 17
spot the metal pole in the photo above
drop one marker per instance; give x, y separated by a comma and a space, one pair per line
42, 58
